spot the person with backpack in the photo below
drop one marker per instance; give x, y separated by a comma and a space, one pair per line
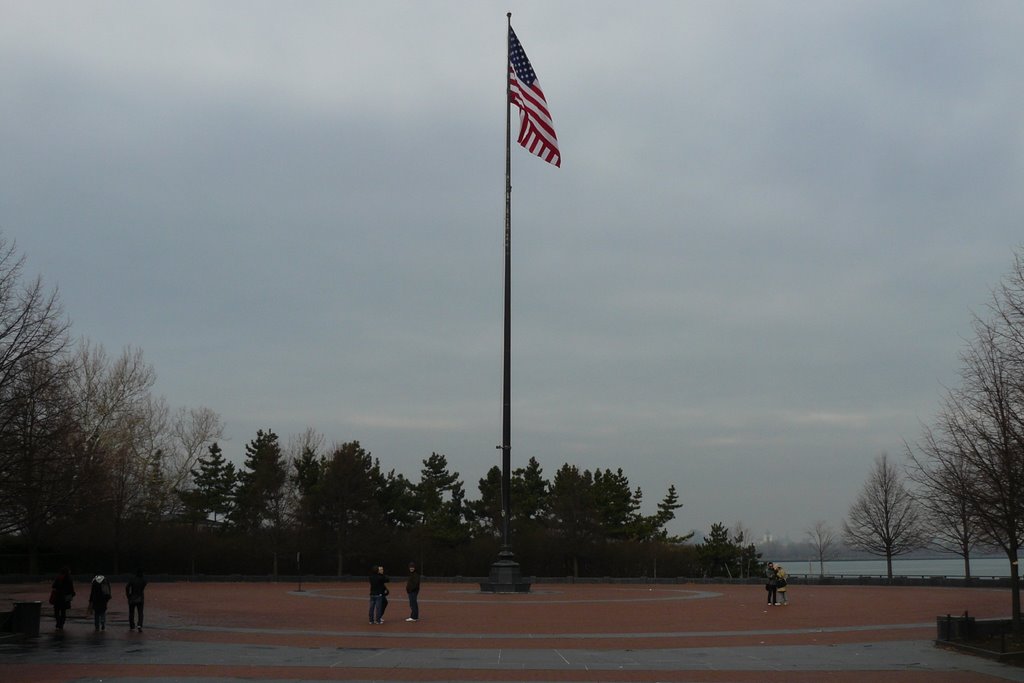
99, 596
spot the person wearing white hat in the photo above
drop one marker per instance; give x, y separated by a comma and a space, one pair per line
99, 596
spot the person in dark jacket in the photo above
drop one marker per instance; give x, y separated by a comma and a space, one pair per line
412, 589
134, 591
378, 588
61, 594
771, 584
383, 599
99, 596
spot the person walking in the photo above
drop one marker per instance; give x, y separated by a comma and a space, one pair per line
378, 586
61, 593
782, 582
134, 590
772, 584
412, 589
99, 596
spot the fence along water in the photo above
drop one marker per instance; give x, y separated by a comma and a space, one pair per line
951, 567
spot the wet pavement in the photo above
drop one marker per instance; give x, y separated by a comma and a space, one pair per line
235, 632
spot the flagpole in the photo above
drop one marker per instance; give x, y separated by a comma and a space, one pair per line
505, 576
506, 423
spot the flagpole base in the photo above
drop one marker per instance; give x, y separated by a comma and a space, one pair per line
505, 576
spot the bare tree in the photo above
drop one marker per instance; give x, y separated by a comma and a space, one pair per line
971, 462
885, 520
310, 440
32, 322
191, 433
122, 427
304, 456
994, 375
33, 340
38, 430
982, 423
824, 543
748, 556
944, 478
155, 449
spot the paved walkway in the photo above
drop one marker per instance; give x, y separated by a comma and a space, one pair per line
686, 632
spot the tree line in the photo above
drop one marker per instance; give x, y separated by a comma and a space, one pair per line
340, 509
98, 472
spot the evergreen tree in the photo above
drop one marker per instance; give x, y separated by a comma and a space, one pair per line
617, 506
260, 489
307, 471
213, 481
667, 509
260, 494
573, 513
653, 527
396, 500
718, 554
529, 505
440, 501
530, 494
486, 511
346, 500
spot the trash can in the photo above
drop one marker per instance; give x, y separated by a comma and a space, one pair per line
25, 618
954, 628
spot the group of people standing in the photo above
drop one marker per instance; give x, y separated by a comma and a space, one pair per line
379, 593
62, 592
776, 584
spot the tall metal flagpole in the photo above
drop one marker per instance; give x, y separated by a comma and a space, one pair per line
505, 575
506, 423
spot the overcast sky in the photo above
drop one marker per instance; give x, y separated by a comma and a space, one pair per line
752, 274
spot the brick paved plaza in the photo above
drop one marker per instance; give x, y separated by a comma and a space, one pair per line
559, 632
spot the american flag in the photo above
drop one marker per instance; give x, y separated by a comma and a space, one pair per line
536, 132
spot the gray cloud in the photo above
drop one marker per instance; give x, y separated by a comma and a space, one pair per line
751, 275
